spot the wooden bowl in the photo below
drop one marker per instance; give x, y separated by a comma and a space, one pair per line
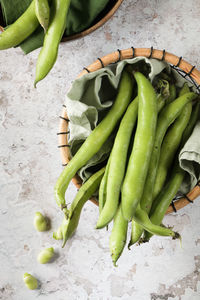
102, 18
177, 63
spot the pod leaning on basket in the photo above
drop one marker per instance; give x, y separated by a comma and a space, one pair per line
168, 114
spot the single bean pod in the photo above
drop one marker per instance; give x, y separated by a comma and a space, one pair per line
165, 197
41, 223
102, 188
45, 255
118, 236
42, 12
85, 192
23, 27
141, 216
138, 164
117, 166
30, 281
53, 36
96, 139
167, 95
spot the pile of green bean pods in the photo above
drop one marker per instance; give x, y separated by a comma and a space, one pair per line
52, 18
141, 176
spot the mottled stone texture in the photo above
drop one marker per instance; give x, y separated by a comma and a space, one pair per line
30, 165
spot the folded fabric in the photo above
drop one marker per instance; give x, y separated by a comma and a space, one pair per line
81, 15
189, 159
89, 99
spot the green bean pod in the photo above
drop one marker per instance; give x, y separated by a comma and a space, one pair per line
42, 12
85, 192
118, 236
23, 27
141, 216
117, 164
138, 164
165, 197
165, 97
96, 139
102, 188
53, 36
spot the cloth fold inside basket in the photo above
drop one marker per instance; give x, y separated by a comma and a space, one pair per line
81, 15
92, 95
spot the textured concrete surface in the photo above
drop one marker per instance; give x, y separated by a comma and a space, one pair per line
30, 165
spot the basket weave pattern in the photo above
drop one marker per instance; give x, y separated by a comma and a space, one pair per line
181, 66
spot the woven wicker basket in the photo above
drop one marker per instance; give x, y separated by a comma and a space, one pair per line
181, 66
104, 16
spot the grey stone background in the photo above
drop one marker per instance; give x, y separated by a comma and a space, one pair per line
30, 165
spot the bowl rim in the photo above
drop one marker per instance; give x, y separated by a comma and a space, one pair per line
177, 63
98, 24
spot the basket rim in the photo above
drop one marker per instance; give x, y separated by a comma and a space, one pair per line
176, 62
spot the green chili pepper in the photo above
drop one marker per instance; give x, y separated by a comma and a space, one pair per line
95, 140
118, 236
85, 192
138, 164
42, 12
49, 52
117, 166
24, 26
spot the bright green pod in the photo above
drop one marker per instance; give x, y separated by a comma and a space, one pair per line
117, 164
48, 55
118, 236
30, 281
41, 223
45, 255
70, 223
22, 28
42, 12
139, 160
102, 188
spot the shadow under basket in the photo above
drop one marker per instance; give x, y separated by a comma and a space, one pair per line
185, 69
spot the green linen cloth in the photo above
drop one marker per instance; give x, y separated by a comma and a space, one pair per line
89, 99
81, 15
